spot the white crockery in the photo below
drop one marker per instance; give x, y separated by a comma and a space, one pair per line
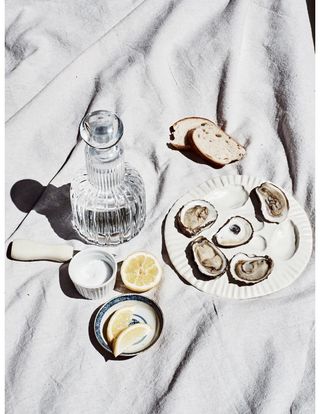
289, 244
93, 272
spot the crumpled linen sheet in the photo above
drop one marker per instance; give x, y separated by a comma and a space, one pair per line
248, 65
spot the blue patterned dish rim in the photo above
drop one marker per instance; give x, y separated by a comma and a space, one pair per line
122, 298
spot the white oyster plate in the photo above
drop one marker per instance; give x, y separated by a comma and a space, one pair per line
289, 244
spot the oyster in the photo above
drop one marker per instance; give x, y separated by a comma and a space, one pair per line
250, 269
273, 203
196, 216
235, 232
209, 259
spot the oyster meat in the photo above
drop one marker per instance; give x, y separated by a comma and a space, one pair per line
273, 203
250, 269
196, 216
235, 232
209, 259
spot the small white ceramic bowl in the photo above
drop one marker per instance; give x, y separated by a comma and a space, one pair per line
93, 272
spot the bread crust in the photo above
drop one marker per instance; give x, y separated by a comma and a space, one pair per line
186, 145
208, 157
191, 117
201, 155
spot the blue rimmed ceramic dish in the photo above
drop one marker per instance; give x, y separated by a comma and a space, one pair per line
145, 311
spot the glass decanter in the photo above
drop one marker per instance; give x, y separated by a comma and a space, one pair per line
108, 200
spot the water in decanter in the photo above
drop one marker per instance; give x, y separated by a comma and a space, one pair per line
108, 200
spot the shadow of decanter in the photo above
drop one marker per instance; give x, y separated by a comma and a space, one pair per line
50, 201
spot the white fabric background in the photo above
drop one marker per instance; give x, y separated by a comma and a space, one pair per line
246, 64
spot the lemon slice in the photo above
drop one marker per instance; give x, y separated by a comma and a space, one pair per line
140, 272
119, 321
130, 336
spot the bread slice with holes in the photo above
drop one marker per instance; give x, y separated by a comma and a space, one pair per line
215, 146
181, 130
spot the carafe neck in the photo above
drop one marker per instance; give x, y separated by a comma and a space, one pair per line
105, 167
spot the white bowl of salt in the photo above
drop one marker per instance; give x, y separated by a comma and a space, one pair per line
93, 272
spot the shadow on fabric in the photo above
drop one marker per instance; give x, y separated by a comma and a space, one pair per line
165, 255
311, 4
189, 154
66, 283
50, 201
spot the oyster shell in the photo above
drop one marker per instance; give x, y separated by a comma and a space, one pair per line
195, 216
273, 203
250, 269
209, 259
235, 232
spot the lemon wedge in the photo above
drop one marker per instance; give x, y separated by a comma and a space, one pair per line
130, 336
140, 272
119, 321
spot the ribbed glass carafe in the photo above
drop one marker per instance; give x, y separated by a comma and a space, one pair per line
108, 200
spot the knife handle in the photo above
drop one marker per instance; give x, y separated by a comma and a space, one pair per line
31, 250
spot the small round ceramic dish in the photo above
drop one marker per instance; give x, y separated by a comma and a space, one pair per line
145, 311
93, 272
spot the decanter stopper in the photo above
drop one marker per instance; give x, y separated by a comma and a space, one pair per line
101, 129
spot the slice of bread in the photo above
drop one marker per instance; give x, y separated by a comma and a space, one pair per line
215, 146
181, 130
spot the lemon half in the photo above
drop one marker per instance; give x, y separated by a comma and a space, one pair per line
140, 272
